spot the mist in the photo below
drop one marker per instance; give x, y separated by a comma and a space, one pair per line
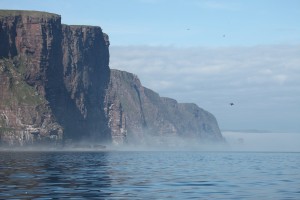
262, 141
251, 141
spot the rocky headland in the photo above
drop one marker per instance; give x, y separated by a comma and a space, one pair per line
56, 88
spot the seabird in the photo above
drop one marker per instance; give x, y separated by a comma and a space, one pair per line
231, 104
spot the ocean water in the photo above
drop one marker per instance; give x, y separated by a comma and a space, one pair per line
149, 175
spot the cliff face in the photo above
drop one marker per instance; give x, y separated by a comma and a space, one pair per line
25, 116
140, 116
86, 75
36, 38
65, 66
56, 86
30, 39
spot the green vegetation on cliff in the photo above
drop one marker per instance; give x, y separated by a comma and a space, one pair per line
28, 13
16, 94
19, 91
25, 116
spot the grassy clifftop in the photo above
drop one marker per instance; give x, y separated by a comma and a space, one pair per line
31, 13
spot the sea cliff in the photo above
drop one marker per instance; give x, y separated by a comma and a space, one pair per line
56, 87
139, 115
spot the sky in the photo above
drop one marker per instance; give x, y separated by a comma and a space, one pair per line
209, 52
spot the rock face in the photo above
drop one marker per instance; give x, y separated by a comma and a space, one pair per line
56, 87
30, 39
86, 76
139, 115
65, 66
25, 116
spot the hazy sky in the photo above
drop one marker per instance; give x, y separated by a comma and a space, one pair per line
210, 52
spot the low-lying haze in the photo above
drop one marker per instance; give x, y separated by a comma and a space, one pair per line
262, 141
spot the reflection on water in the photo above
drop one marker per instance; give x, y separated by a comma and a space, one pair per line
149, 175
56, 174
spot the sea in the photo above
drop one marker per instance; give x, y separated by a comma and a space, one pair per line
149, 175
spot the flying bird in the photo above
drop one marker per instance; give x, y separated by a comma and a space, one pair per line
231, 104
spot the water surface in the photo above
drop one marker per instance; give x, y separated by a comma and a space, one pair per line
149, 175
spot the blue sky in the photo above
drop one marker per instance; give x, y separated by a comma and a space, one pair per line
180, 22
209, 52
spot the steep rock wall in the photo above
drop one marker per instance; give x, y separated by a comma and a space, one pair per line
25, 116
66, 66
140, 116
86, 76
56, 86
31, 40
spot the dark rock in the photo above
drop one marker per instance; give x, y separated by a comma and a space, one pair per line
86, 76
64, 66
56, 87
137, 113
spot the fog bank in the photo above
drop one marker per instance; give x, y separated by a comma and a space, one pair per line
262, 141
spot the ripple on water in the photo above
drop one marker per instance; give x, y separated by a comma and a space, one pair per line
149, 175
